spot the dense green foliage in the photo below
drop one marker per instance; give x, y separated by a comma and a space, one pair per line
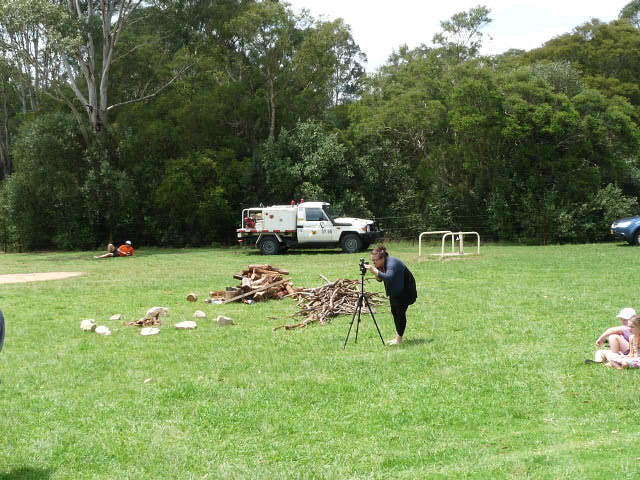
489, 384
223, 104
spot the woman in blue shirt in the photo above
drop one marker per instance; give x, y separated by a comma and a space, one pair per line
399, 285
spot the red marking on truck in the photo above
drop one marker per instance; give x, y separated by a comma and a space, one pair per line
246, 230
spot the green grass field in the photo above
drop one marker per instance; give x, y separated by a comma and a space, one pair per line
490, 383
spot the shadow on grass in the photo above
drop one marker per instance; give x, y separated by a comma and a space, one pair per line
143, 252
154, 251
258, 253
26, 473
410, 342
138, 254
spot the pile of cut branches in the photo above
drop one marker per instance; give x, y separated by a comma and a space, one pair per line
322, 303
257, 283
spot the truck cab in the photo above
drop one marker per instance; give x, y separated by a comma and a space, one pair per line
314, 224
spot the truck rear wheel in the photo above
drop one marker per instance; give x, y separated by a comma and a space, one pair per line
269, 246
351, 243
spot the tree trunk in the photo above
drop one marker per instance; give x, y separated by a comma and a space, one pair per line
5, 167
272, 109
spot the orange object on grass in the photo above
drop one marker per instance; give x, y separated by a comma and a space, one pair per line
125, 250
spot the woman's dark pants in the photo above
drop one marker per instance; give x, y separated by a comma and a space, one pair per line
399, 312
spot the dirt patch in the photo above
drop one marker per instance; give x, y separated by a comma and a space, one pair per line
36, 277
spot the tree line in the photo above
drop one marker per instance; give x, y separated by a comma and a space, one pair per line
160, 121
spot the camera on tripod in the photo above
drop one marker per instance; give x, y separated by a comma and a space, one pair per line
362, 301
363, 266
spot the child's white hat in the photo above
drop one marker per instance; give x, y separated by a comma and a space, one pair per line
626, 313
128, 242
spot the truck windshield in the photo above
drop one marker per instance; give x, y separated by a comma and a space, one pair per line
330, 213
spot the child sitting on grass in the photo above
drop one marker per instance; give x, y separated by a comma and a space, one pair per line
618, 337
620, 360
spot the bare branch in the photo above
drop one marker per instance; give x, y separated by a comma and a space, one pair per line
119, 57
147, 97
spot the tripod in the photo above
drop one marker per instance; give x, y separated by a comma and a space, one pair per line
362, 299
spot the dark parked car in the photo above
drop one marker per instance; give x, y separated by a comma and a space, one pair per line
627, 229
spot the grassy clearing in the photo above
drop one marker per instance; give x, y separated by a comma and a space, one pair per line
490, 383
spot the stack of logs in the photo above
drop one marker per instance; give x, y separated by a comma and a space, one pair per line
258, 283
329, 300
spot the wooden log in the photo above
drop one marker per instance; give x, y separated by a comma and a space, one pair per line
262, 271
259, 282
192, 297
230, 292
264, 287
269, 267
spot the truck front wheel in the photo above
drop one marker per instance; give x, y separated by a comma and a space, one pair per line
269, 246
351, 243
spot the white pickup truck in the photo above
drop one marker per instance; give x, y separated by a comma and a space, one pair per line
307, 224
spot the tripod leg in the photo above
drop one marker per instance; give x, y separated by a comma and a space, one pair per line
359, 313
366, 300
349, 331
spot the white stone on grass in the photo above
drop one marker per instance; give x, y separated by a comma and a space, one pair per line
199, 314
149, 331
102, 330
155, 312
186, 325
117, 316
88, 325
222, 320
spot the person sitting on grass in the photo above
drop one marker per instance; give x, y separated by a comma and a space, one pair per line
620, 360
618, 337
124, 250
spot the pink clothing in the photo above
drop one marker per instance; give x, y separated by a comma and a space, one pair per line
632, 360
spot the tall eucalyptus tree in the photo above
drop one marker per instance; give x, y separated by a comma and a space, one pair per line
70, 45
